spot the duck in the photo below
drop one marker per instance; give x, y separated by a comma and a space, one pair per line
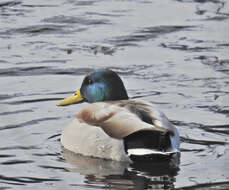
112, 126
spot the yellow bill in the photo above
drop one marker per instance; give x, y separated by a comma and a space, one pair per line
76, 98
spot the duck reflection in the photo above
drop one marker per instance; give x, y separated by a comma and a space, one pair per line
107, 174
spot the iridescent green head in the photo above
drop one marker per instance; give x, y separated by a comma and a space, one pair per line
97, 86
103, 85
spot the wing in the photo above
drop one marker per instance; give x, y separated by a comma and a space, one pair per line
121, 118
148, 113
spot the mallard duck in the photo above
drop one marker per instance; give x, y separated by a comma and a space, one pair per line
112, 126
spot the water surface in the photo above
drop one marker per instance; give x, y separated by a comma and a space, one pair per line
173, 53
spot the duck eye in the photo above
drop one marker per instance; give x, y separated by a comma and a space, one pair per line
89, 81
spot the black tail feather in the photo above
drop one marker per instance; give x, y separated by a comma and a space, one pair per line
148, 139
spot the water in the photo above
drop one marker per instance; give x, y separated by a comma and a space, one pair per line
173, 53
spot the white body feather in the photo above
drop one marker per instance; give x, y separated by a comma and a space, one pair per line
92, 141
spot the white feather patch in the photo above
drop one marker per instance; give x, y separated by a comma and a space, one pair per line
144, 151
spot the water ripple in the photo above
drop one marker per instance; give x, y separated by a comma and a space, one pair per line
214, 62
76, 20
47, 154
38, 29
206, 186
42, 29
13, 162
32, 101
183, 47
16, 112
217, 109
19, 148
9, 3
38, 5
28, 123
6, 155
145, 34
53, 167
42, 70
82, 2
7, 96
191, 150
26, 180
131, 70
202, 142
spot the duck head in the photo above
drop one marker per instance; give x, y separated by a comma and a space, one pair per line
97, 86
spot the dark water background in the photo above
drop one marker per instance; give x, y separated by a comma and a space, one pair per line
174, 53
